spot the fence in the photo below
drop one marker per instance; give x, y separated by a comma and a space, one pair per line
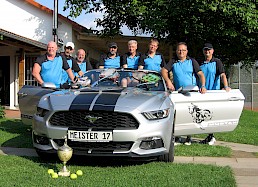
245, 79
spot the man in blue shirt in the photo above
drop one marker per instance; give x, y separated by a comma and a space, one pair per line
184, 70
111, 59
68, 51
48, 67
152, 60
132, 57
84, 66
214, 73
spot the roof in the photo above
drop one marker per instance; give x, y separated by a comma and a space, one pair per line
12, 39
75, 25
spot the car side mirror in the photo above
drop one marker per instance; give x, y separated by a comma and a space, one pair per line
49, 85
187, 89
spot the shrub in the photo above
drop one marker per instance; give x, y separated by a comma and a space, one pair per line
2, 112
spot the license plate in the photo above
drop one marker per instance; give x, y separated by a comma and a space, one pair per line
92, 136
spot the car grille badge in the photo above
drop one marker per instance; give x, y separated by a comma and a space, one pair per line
92, 119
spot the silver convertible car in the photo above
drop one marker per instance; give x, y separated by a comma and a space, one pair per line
127, 113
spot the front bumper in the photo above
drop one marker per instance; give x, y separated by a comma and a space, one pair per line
151, 139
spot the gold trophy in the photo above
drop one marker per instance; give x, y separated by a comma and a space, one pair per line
64, 153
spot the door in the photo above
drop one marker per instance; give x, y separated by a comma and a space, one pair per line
5, 80
214, 111
28, 98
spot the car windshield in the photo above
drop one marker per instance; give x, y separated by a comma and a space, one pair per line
143, 79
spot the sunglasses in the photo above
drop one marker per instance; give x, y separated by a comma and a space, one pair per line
70, 48
113, 47
206, 49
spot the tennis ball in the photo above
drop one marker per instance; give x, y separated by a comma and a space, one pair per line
54, 175
50, 171
73, 176
79, 172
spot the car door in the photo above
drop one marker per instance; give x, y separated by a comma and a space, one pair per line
28, 98
214, 111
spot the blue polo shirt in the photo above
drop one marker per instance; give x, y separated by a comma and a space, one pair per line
108, 62
65, 76
84, 66
212, 70
184, 73
154, 63
51, 70
132, 62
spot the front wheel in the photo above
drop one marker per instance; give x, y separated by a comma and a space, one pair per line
168, 157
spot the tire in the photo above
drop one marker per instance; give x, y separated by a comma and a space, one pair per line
168, 157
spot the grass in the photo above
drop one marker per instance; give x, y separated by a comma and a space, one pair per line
15, 134
22, 171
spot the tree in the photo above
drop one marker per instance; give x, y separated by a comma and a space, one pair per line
231, 26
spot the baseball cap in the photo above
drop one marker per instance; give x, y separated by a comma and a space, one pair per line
208, 46
112, 44
69, 44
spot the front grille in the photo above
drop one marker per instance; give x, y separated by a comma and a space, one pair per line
97, 147
106, 120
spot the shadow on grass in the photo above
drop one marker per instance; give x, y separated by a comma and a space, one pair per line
15, 134
53, 161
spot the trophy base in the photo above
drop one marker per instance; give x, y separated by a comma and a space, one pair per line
64, 173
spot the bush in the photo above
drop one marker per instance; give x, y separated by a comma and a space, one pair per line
2, 112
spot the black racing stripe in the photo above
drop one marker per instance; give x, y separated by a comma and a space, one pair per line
82, 101
106, 101
44, 92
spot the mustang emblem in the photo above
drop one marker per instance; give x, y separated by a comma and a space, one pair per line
92, 119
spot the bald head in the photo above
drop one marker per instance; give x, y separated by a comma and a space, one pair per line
51, 48
81, 54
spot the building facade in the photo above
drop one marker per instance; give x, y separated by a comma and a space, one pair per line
25, 29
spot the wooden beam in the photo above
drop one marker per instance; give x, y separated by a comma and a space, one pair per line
21, 68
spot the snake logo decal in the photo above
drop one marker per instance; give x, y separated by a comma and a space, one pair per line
199, 115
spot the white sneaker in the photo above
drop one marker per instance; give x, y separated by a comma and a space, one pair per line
188, 140
177, 143
212, 141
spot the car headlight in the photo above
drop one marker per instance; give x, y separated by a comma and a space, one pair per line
159, 114
41, 112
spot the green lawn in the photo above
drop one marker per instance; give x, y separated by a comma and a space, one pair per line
22, 171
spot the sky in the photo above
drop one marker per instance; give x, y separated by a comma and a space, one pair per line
86, 20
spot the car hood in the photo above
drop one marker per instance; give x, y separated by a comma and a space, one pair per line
107, 99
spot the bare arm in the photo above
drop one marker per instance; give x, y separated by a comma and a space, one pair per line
202, 80
225, 82
164, 73
70, 74
125, 66
36, 73
101, 67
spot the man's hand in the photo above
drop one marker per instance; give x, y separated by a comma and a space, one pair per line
226, 88
203, 90
170, 86
75, 79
